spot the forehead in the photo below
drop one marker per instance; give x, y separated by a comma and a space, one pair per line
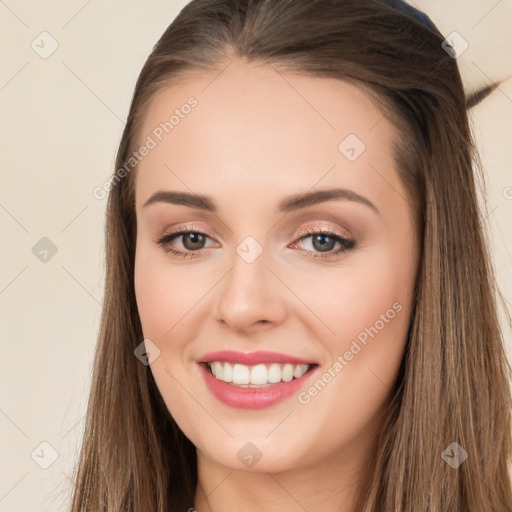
255, 129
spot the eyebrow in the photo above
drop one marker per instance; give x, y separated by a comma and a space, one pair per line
288, 204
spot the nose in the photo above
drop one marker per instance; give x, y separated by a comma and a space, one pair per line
250, 296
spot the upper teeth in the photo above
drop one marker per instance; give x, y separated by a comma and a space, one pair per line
260, 374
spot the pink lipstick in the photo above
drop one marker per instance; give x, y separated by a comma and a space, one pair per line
271, 371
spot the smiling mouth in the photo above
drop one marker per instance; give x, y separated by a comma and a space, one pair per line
256, 376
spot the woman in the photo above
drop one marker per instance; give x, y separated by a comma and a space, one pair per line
299, 310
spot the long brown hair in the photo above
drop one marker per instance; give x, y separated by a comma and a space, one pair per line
453, 385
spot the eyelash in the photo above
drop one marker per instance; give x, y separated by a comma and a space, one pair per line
346, 243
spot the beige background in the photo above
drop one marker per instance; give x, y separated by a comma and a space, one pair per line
62, 118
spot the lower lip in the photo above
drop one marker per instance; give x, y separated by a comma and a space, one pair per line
253, 398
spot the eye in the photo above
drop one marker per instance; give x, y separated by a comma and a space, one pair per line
192, 241
324, 240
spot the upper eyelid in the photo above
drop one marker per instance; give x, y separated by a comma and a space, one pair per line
309, 231
184, 230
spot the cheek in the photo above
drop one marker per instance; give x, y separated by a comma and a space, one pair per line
365, 311
353, 297
369, 310
169, 300
155, 298
165, 295
164, 299
376, 296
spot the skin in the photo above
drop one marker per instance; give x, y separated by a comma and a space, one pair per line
256, 137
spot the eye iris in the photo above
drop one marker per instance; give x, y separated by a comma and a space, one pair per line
323, 246
195, 238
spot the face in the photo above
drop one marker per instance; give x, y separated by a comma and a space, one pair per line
272, 265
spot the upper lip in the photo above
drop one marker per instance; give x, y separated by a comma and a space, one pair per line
251, 358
